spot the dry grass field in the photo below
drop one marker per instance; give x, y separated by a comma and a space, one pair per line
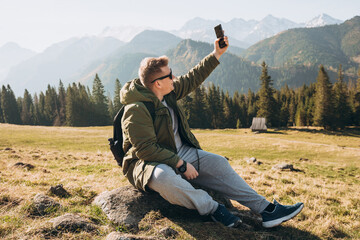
327, 181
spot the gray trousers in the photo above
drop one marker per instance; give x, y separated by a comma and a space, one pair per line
215, 173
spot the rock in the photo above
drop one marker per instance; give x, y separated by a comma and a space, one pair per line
168, 232
126, 206
251, 160
304, 159
283, 166
8, 149
24, 165
43, 205
116, 236
59, 191
122, 236
72, 223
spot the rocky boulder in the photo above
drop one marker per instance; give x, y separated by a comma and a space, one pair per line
72, 223
122, 236
59, 191
43, 205
26, 166
127, 206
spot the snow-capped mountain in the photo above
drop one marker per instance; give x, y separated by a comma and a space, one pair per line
322, 20
268, 27
246, 33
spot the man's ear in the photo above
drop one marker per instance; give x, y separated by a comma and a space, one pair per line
157, 84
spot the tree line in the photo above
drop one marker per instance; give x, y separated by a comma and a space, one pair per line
332, 106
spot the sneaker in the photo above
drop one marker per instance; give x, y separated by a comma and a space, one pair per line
281, 213
225, 217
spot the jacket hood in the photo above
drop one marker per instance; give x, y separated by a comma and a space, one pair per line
133, 91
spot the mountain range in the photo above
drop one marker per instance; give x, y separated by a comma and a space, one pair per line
328, 45
79, 59
243, 33
12, 54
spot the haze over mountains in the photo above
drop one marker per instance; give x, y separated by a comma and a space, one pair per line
78, 59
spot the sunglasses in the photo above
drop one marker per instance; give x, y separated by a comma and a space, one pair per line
163, 77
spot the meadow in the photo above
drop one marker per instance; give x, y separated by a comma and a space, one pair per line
327, 181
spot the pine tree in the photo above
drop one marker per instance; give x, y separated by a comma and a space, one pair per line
292, 109
36, 110
117, 103
71, 92
51, 107
239, 109
9, 106
1, 111
357, 101
323, 115
40, 110
27, 110
300, 116
342, 109
79, 107
102, 116
267, 103
62, 104
310, 104
229, 116
251, 107
111, 109
215, 106
198, 109
285, 102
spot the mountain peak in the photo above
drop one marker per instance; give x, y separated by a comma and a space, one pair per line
322, 20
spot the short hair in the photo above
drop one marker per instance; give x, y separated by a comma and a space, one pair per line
149, 67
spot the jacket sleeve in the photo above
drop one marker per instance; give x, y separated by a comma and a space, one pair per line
187, 83
139, 129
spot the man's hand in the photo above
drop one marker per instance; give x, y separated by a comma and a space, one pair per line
191, 172
220, 51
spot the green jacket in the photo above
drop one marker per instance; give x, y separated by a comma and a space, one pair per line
148, 143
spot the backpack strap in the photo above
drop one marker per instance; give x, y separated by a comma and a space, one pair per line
117, 122
151, 108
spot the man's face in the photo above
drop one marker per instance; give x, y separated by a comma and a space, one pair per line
167, 84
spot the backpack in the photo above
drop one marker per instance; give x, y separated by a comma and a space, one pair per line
116, 142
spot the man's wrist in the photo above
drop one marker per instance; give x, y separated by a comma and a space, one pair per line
179, 163
217, 55
183, 167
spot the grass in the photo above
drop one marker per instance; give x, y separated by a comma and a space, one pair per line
78, 158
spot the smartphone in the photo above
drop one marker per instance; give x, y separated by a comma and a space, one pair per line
220, 34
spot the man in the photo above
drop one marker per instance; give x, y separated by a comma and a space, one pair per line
163, 155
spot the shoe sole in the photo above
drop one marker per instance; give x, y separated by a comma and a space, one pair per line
277, 222
232, 225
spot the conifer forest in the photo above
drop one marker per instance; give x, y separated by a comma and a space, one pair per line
332, 106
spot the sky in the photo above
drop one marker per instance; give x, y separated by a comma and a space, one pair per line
36, 24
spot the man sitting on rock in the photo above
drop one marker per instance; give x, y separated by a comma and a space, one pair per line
163, 155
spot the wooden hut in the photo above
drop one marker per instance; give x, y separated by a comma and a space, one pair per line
258, 124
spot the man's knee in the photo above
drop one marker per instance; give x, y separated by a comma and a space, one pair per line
162, 174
